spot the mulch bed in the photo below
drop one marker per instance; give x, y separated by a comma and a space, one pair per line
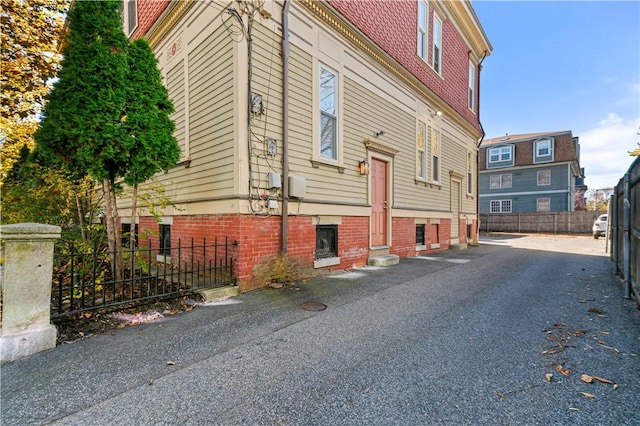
78, 327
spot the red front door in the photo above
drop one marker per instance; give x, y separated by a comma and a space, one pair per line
378, 203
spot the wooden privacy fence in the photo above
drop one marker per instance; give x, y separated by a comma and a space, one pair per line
624, 220
576, 222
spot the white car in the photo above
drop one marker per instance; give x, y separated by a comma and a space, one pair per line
600, 226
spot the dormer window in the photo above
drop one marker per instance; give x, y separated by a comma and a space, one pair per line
503, 153
543, 150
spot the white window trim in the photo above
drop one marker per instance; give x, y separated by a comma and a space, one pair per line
536, 151
501, 181
543, 199
423, 32
470, 173
471, 103
501, 150
421, 167
435, 154
126, 17
316, 157
538, 177
502, 204
437, 42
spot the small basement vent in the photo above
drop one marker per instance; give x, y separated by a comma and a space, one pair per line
326, 241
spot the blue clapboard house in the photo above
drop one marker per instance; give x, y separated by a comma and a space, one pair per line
535, 172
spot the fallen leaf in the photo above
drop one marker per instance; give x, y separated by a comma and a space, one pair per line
601, 316
548, 377
171, 363
588, 395
604, 332
563, 371
615, 386
601, 343
500, 394
367, 390
574, 409
594, 310
586, 378
601, 380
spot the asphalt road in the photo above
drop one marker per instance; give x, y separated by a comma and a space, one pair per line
498, 334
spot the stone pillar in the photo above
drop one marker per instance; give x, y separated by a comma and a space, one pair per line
26, 289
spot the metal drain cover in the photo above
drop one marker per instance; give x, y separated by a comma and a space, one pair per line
313, 306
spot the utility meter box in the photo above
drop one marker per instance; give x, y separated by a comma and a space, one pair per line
274, 180
297, 186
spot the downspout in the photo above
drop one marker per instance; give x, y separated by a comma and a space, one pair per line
484, 55
285, 125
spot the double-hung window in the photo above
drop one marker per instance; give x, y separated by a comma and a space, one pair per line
500, 154
472, 85
544, 177
500, 181
421, 151
435, 156
328, 114
500, 206
130, 16
469, 174
543, 148
437, 44
543, 204
423, 29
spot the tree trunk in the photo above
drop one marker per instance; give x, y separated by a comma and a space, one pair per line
111, 214
83, 231
134, 208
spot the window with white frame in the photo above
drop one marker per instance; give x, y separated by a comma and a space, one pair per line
328, 114
423, 29
469, 173
499, 154
544, 177
500, 181
437, 44
130, 16
435, 156
421, 146
543, 204
472, 85
543, 148
500, 206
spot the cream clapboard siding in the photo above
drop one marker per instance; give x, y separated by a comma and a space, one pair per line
267, 82
300, 119
207, 106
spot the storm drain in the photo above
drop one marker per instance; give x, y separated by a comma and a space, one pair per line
313, 306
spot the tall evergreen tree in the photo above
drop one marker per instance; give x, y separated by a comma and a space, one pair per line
82, 128
152, 145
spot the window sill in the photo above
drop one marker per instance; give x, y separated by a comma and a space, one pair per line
421, 247
327, 261
164, 259
435, 246
317, 163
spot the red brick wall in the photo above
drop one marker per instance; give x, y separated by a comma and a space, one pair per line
393, 25
404, 236
148, 12
353, 242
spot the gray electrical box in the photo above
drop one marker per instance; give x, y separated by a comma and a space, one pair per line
274, 180
297, 186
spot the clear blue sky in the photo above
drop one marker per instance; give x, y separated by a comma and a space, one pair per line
565, 65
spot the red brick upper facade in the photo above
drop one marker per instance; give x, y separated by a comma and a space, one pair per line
148, 13
393, 25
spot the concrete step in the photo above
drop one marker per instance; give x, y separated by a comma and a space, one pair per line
386, 260
213, 294
459, 246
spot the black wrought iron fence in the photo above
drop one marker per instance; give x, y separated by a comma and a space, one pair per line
86, 280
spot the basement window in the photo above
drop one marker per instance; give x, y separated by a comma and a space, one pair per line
420, 234
326, 241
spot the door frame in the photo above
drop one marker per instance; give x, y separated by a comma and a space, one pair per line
388, 196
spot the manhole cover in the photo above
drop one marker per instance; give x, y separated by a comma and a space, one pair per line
313, 306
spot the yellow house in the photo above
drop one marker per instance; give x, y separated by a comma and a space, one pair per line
337, 133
